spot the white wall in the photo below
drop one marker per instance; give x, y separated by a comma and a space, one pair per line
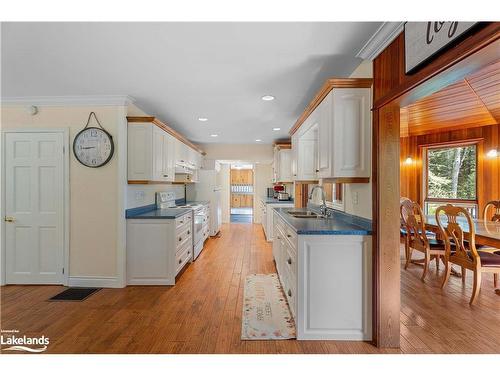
97, 195
262, 153
263, 179
225, 176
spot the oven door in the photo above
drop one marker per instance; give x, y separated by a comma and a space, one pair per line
199, 218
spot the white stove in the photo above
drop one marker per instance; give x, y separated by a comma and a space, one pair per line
167, 200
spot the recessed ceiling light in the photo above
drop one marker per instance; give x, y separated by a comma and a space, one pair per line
268, 98
202, 119
258, 140
214, 135
276, 129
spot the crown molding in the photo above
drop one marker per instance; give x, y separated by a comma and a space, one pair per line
90, 100
380, 40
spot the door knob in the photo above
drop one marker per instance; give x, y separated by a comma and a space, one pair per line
10, 219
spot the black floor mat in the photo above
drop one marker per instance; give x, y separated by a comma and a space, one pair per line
74, 294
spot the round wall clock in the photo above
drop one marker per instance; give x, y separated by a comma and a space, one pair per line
93, 147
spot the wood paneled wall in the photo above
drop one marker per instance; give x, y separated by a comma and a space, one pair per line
392, 89
488, 169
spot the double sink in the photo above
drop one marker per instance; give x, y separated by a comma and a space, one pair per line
305, 215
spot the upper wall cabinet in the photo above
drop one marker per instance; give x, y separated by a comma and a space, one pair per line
153, 152
345, 134
282, 163
338, 120
150, 153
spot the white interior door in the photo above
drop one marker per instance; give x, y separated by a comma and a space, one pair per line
34, 209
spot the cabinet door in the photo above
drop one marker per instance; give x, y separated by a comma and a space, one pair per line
352, 132
169, 157
285, 165
160, 144
307, 159
294, 154
181, 152
235, 200
140, 138
325, 137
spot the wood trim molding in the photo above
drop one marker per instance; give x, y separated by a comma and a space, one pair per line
380, 40
165, 127
348, 180
283, 145
330, 84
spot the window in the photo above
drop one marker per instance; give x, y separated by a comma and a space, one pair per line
334, 194
450, 176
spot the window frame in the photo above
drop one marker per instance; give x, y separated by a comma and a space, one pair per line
425, 172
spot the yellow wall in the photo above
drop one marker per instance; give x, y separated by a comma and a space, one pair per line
97, 196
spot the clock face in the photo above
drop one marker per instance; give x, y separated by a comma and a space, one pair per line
93, 147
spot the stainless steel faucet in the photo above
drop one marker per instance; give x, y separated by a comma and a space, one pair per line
322, 208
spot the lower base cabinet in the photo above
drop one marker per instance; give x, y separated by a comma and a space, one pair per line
158, 249
327, 282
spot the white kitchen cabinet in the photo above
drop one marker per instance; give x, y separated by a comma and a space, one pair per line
181, 153
267, 216
327, 282
285, 166
158, 249
150, 153
307, 154
344, 137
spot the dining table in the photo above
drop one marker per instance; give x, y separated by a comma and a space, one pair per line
487, 232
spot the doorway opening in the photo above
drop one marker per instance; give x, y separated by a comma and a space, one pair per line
242, 193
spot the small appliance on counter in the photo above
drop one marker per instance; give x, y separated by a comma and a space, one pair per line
283, 196
278, 189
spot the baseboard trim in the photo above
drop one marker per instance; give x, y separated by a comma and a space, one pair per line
95, 282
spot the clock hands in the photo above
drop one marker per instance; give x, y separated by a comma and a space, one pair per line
86, 148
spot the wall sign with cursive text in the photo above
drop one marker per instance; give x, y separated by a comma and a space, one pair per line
424, 39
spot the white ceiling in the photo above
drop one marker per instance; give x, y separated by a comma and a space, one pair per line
182, 71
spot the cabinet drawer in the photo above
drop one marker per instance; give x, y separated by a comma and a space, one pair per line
186, 245
181, 221
183, 258
183, 235
291, 236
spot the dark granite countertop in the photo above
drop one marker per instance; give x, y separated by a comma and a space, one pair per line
268, 200
151, 212
339, 224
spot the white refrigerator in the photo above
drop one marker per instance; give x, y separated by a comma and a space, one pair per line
208, 188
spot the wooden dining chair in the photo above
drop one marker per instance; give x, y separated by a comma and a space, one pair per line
404, 203
417, 237
460, 247
495, 205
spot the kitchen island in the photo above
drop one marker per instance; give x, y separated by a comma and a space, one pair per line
324, 266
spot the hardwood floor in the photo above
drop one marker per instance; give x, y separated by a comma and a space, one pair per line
202, 313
